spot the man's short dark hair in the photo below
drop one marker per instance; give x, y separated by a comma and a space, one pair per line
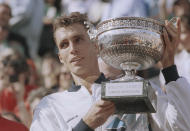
67, 20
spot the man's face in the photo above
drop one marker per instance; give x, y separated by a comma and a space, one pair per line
75, 49
4, 15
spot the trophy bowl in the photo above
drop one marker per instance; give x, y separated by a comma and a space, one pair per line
130, 44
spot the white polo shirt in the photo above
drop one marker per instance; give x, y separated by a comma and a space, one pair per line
63, 111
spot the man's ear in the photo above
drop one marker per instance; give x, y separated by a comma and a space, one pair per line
60, 58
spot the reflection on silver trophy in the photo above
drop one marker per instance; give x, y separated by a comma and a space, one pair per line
130, 44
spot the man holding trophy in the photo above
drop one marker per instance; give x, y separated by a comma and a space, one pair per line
80, 107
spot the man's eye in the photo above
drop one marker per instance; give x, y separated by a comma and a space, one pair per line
64, 45
78, 39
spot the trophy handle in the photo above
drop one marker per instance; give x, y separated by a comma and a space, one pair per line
92, 32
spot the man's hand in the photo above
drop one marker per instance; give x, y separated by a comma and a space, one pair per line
171, 38
99, 113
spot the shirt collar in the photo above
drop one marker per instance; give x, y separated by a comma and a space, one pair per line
101, 79
75, 88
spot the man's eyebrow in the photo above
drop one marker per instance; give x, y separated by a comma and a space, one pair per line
78, 35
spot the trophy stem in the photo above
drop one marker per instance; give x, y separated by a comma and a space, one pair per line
129, 75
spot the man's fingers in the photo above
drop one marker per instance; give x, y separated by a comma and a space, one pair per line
109, 112
179, 25
167, 41
107, 108
102, 116
163, 41
103, 103
172, 32
166, 38
99, 113
171, 25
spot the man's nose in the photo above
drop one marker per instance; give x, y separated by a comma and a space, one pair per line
73, 48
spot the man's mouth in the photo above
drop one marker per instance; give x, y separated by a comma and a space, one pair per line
76, 59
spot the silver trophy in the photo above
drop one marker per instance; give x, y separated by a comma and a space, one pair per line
130, 44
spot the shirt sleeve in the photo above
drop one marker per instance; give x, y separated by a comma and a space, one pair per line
173, 108
170, 73
82, 126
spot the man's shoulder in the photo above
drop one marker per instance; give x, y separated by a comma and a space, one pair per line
51, 98
56, 99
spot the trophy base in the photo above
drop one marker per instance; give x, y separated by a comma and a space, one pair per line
135, 96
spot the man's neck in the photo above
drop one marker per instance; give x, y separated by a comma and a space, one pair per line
87, 80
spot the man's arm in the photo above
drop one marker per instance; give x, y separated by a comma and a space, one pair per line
170, 73
172, 108
99, 113
82, 126
45, 118
171, 39
96, 116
